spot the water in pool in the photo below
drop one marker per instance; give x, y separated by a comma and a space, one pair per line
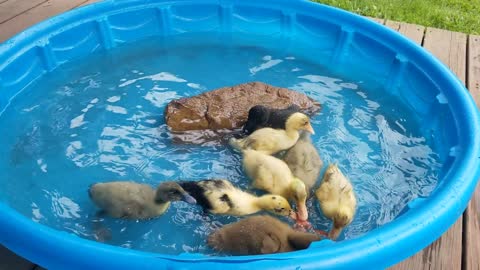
101, 119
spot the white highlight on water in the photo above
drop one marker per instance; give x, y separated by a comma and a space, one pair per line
268, 64
162, 76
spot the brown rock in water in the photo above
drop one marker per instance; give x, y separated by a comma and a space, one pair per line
227, 107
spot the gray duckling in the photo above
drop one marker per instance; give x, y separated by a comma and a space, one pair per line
259, 235
130, 200
304, 161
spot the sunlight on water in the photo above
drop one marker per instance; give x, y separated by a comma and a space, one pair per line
102, 119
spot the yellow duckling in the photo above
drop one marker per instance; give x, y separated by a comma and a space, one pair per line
337, 199
273, 175
271, 141
124, 199
304, 161
221, 197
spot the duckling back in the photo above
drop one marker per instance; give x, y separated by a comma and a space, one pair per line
259, 235
219, 196
124, 199
267, 172
304, 161
261, 116
337, 198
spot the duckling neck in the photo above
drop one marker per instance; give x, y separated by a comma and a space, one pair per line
250, 204
263, 202
293, 134
161, 207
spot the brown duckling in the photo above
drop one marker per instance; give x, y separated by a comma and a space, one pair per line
261, 116
259, 235
304, 161
130, 200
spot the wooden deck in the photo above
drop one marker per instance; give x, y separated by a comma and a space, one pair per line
458, 248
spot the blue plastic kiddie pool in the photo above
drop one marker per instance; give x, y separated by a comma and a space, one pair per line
339, 38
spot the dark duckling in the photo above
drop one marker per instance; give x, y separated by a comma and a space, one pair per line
130, 200
304, 161
260, 116
259, 235
221, 197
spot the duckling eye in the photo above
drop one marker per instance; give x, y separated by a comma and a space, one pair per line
305, 123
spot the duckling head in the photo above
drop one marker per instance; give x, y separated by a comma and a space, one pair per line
257, 116
172, 191
275, 204
299, 193
342, 218
299, 121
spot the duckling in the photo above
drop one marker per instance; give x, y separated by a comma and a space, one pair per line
261, 116
273, 175
271, 141
337, 199
304, 161
221, 197
259, 235
124, 199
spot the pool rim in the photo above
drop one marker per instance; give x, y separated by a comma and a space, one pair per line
399, 237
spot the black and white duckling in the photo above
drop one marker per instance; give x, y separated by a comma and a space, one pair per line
271, 141
221, 197
261, 116
304, 161
273, 175
130, 200
337, 199
259, 235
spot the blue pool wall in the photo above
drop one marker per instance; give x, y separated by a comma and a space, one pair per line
332, 38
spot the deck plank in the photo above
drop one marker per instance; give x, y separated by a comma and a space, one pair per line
10, 261
377, 20
451, 49
393, 24
10, 9
472, 214
413, 32
39, 13
474, 68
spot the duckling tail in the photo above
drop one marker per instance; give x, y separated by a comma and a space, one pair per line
237, 144
90, 191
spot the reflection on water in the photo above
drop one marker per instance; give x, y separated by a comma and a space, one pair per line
102, 120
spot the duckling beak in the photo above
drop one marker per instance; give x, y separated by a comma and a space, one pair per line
309, 128
189, 199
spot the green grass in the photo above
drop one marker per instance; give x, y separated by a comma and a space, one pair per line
455, 15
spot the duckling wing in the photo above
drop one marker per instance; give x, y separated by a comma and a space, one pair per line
264, 179
221, 202
133, 209
270, 244
267, 140
217, 193
326, 192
